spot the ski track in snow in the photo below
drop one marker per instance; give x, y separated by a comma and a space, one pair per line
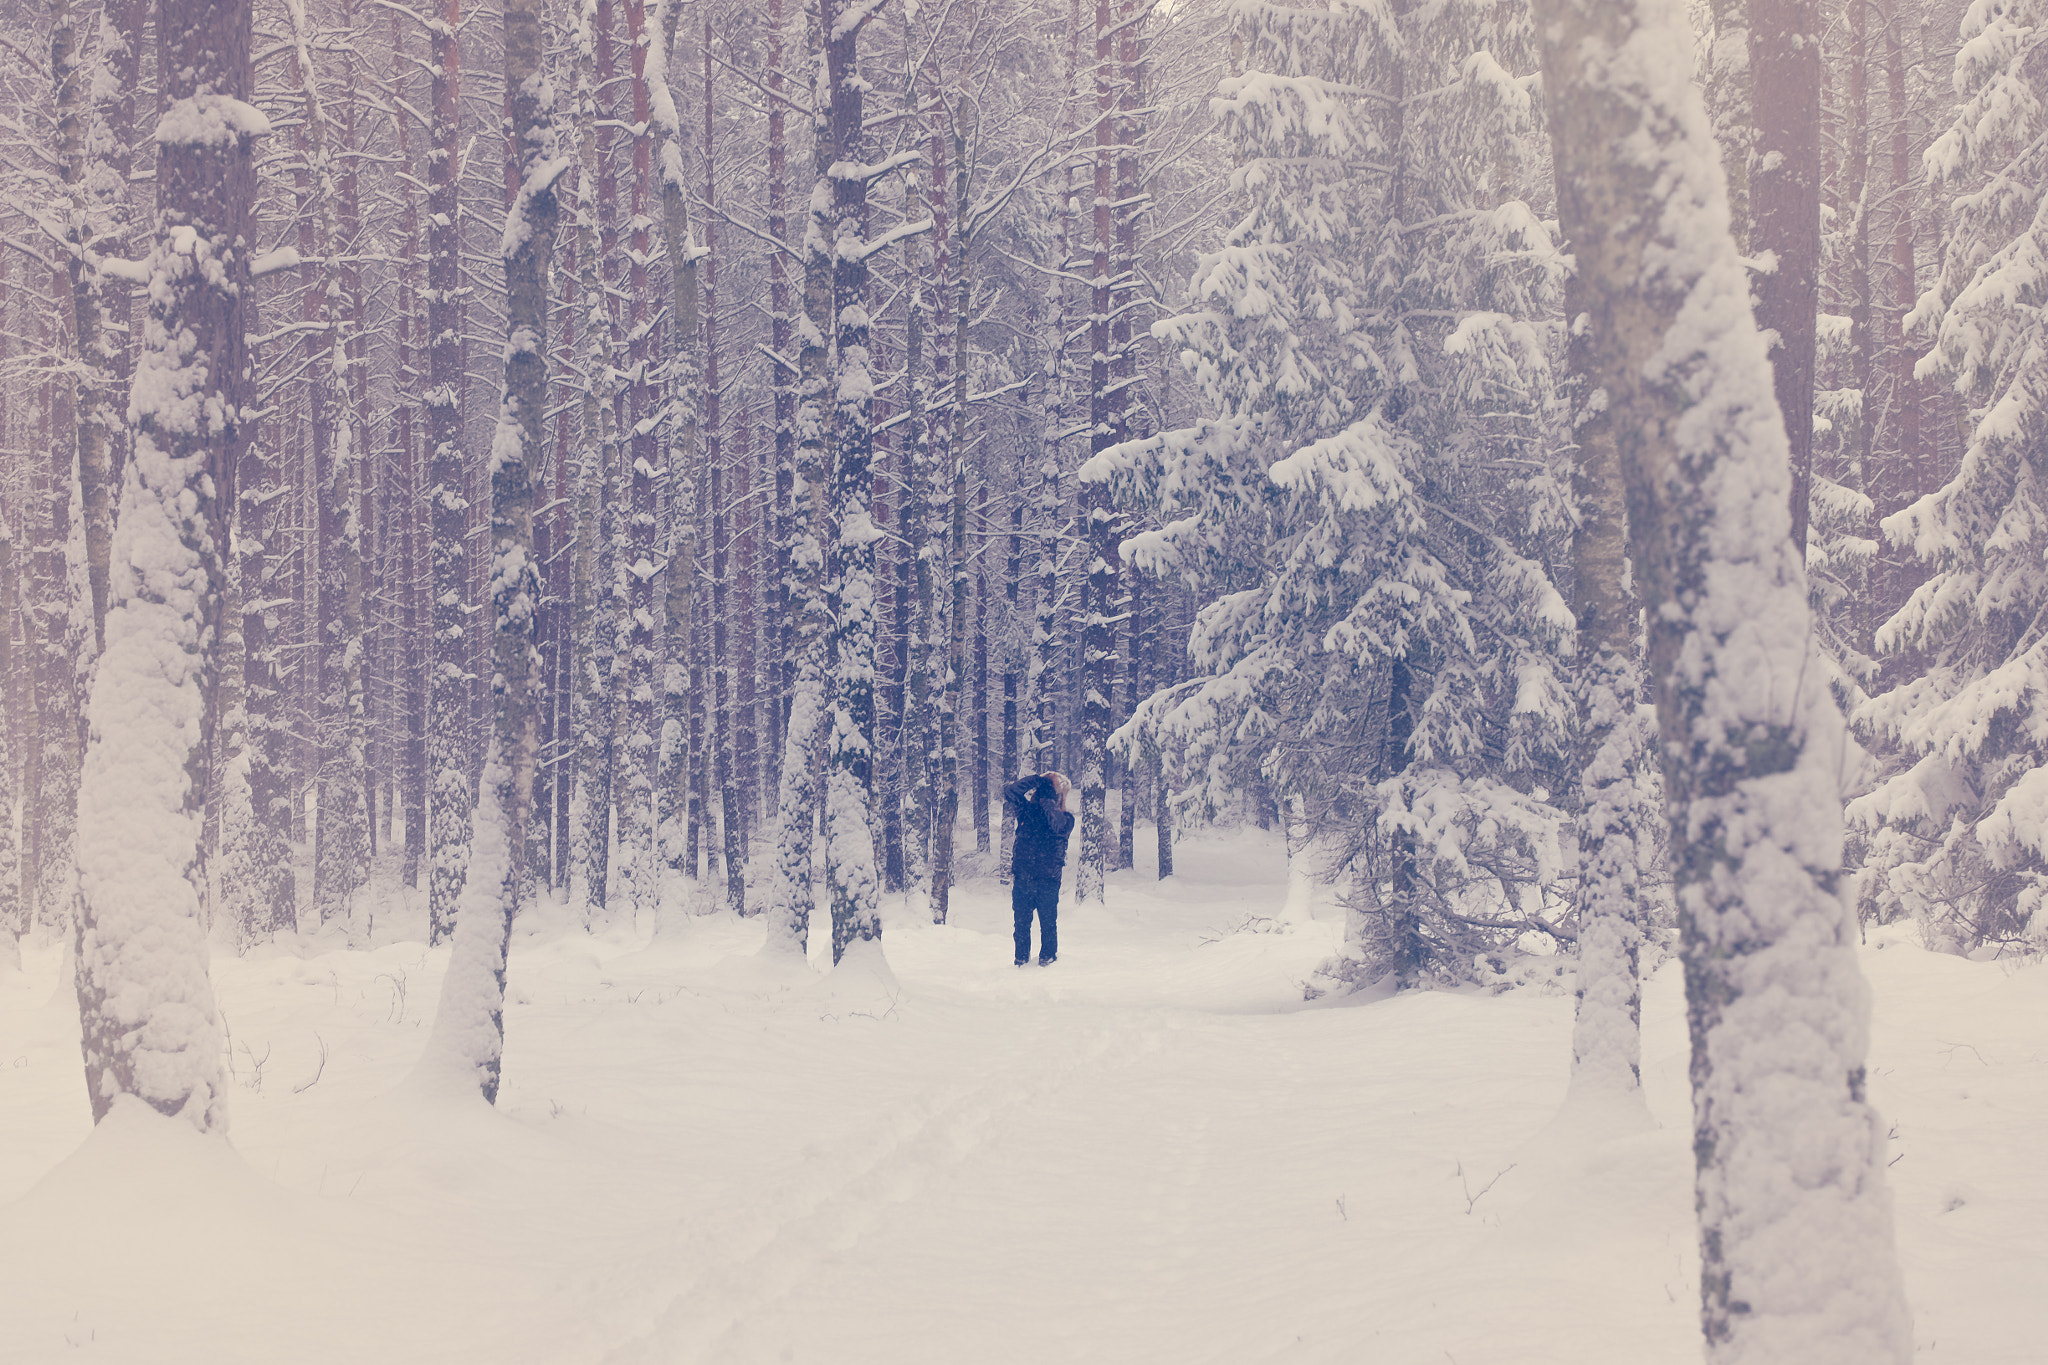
1151, 1151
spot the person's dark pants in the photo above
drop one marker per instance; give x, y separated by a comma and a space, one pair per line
1040, 896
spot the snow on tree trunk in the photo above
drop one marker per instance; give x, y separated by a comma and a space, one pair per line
685, 390
590, 583
1614, 807
782, 386
952, 347
790, 899
849, 840
56, 626
469, 1030
342, 843
259, 890
148, 1023
83, 163
448, 688
13, 909
639, 881
1795, 1221
724, 690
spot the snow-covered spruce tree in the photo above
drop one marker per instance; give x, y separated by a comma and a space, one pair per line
1958, 833
1366, 513
468, 1041
1795, 1222
149, 1028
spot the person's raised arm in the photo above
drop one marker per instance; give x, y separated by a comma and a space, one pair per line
1018, 792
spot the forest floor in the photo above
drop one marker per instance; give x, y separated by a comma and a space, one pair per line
1151, 1151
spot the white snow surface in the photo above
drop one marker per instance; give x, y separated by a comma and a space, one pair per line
1152, 1151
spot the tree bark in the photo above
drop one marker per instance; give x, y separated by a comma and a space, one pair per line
1784, 55
469, 1029
149, 1028
448, 689
1787, 1148
850, 846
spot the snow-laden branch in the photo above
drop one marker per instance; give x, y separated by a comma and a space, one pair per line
860, 251
855, 170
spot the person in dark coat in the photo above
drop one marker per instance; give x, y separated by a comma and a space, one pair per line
1039, 856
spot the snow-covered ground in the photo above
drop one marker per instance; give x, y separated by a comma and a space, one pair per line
1151, 1151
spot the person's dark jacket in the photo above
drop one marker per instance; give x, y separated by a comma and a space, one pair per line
1042, 829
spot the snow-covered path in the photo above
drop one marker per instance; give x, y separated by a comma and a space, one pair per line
1150, 1151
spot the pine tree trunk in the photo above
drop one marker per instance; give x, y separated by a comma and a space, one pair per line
409, 687
60, 654
74, 74
469, 1030
982, 833
792, 897
1908, 482
782, 386
850, 845
146, 1007
1127, 813
1731, 81
1614, 806
681, 744
590, 574
341, 857
1777, 1009
1785, 38
13, 909
1098, 645
448, 688
1013, 569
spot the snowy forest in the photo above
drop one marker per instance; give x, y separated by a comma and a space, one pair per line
534, 538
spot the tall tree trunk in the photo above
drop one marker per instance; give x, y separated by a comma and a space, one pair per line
1731, 84
590, 583
1777, 1008
1098, 644
1614, 809
1013, 569
981, 808
723, 689
341, 857
791, 899
468, 1041
849, 841
13, 909
74, 75
782, 386
410, 690
947, 519
146, 1009
448, 690
1784, 55
1908, 482
679, 745
59, 626
638, 879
